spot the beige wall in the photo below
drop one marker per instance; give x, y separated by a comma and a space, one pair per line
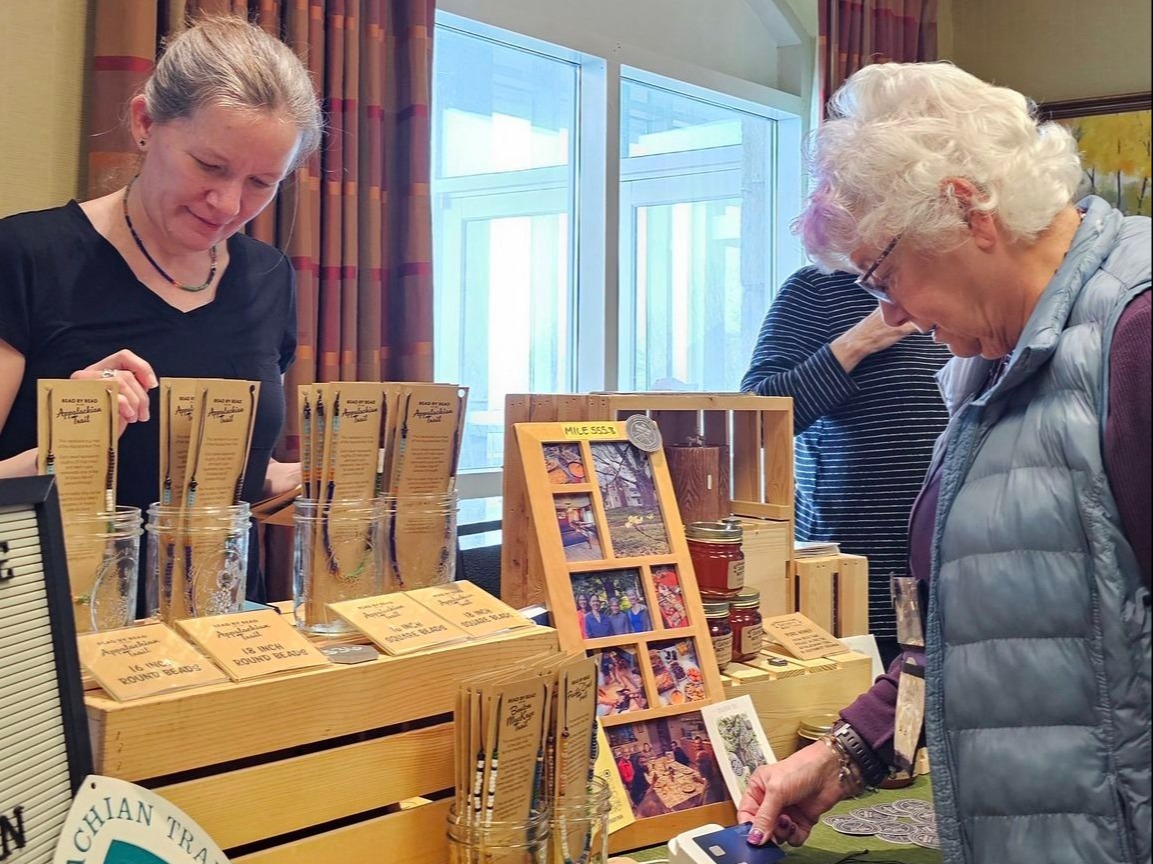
43, 49
1054, 49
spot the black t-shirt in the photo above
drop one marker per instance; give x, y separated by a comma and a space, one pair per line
68, 299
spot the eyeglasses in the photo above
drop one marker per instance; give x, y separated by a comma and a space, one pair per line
880, 292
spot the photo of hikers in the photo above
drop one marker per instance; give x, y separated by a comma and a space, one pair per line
611, 603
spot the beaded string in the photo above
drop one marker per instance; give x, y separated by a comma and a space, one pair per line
140, 245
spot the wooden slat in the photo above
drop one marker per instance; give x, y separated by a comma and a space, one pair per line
759, 510
415, 836
746, 456
514, 547
853, 596
341, 782
696, 401
815, 589
777, 443
163, 735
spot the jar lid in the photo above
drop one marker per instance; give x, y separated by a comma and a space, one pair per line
716, 609
815, 725
714, 532
749, 598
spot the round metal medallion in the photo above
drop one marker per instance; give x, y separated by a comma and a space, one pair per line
643, 433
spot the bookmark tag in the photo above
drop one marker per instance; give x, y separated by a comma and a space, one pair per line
910, 614
910, 714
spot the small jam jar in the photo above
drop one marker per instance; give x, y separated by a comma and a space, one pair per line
748, 632
715, 549
721, 631
811, 727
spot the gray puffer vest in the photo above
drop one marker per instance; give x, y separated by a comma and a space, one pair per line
1038, 638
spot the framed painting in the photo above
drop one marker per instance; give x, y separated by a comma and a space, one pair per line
1114, 136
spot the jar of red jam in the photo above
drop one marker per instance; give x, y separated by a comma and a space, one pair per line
721, 631
715, 549
748, 632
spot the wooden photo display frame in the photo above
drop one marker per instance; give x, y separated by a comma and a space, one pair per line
620, 585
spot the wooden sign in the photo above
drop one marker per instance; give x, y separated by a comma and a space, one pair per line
252, 644
620, 585
397, 623
143, 661
801, 637
44, 746
472, 609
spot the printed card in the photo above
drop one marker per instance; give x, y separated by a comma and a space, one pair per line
397, 623
250, 645
739, 743
475, 611
144, 661
801, 637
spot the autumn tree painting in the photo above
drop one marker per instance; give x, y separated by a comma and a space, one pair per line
632, 508
1115, 149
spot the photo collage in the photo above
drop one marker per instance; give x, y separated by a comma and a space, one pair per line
617, 588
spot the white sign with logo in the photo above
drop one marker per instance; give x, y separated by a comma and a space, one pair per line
116, 822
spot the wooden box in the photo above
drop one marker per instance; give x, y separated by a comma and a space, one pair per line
310, 767
784, 694
757, 432
832, 591
767, 544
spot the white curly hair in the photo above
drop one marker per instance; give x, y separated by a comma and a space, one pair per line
897, 131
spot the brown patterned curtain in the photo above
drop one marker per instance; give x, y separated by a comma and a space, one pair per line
855, 33
356, 220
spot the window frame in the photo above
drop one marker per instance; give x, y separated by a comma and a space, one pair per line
602, 65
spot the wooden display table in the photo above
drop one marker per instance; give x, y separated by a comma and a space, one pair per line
313, 766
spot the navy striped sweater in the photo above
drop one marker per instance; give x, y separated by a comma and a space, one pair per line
863, 439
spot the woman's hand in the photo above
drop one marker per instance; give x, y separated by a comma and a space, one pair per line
785, 800
135, 378
281, 477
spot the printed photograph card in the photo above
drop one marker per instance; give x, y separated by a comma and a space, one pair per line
739, 742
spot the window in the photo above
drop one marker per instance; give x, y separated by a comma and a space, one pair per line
562, 268
695, 239
503, 209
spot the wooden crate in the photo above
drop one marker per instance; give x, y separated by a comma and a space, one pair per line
832, 591
783, 695
757, 431
310, 766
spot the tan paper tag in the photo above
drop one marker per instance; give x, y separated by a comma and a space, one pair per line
475, 611
144, 661
77, 433
221, 435
910, 714
354, 443
591, 431
397, 623
801, 637
520, 718
427, 438
177, 405
252, 644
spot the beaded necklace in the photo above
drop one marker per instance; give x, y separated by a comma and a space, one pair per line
140, 245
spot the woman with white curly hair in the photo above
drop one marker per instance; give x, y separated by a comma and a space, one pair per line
1031, 536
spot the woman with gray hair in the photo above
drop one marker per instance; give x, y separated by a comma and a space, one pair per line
1031, 535
157, 278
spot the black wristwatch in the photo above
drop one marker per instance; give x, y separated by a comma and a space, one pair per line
873, 770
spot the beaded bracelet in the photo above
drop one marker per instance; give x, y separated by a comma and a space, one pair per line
849, 774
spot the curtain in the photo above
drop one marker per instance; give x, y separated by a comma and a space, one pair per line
356, 220
855, 33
